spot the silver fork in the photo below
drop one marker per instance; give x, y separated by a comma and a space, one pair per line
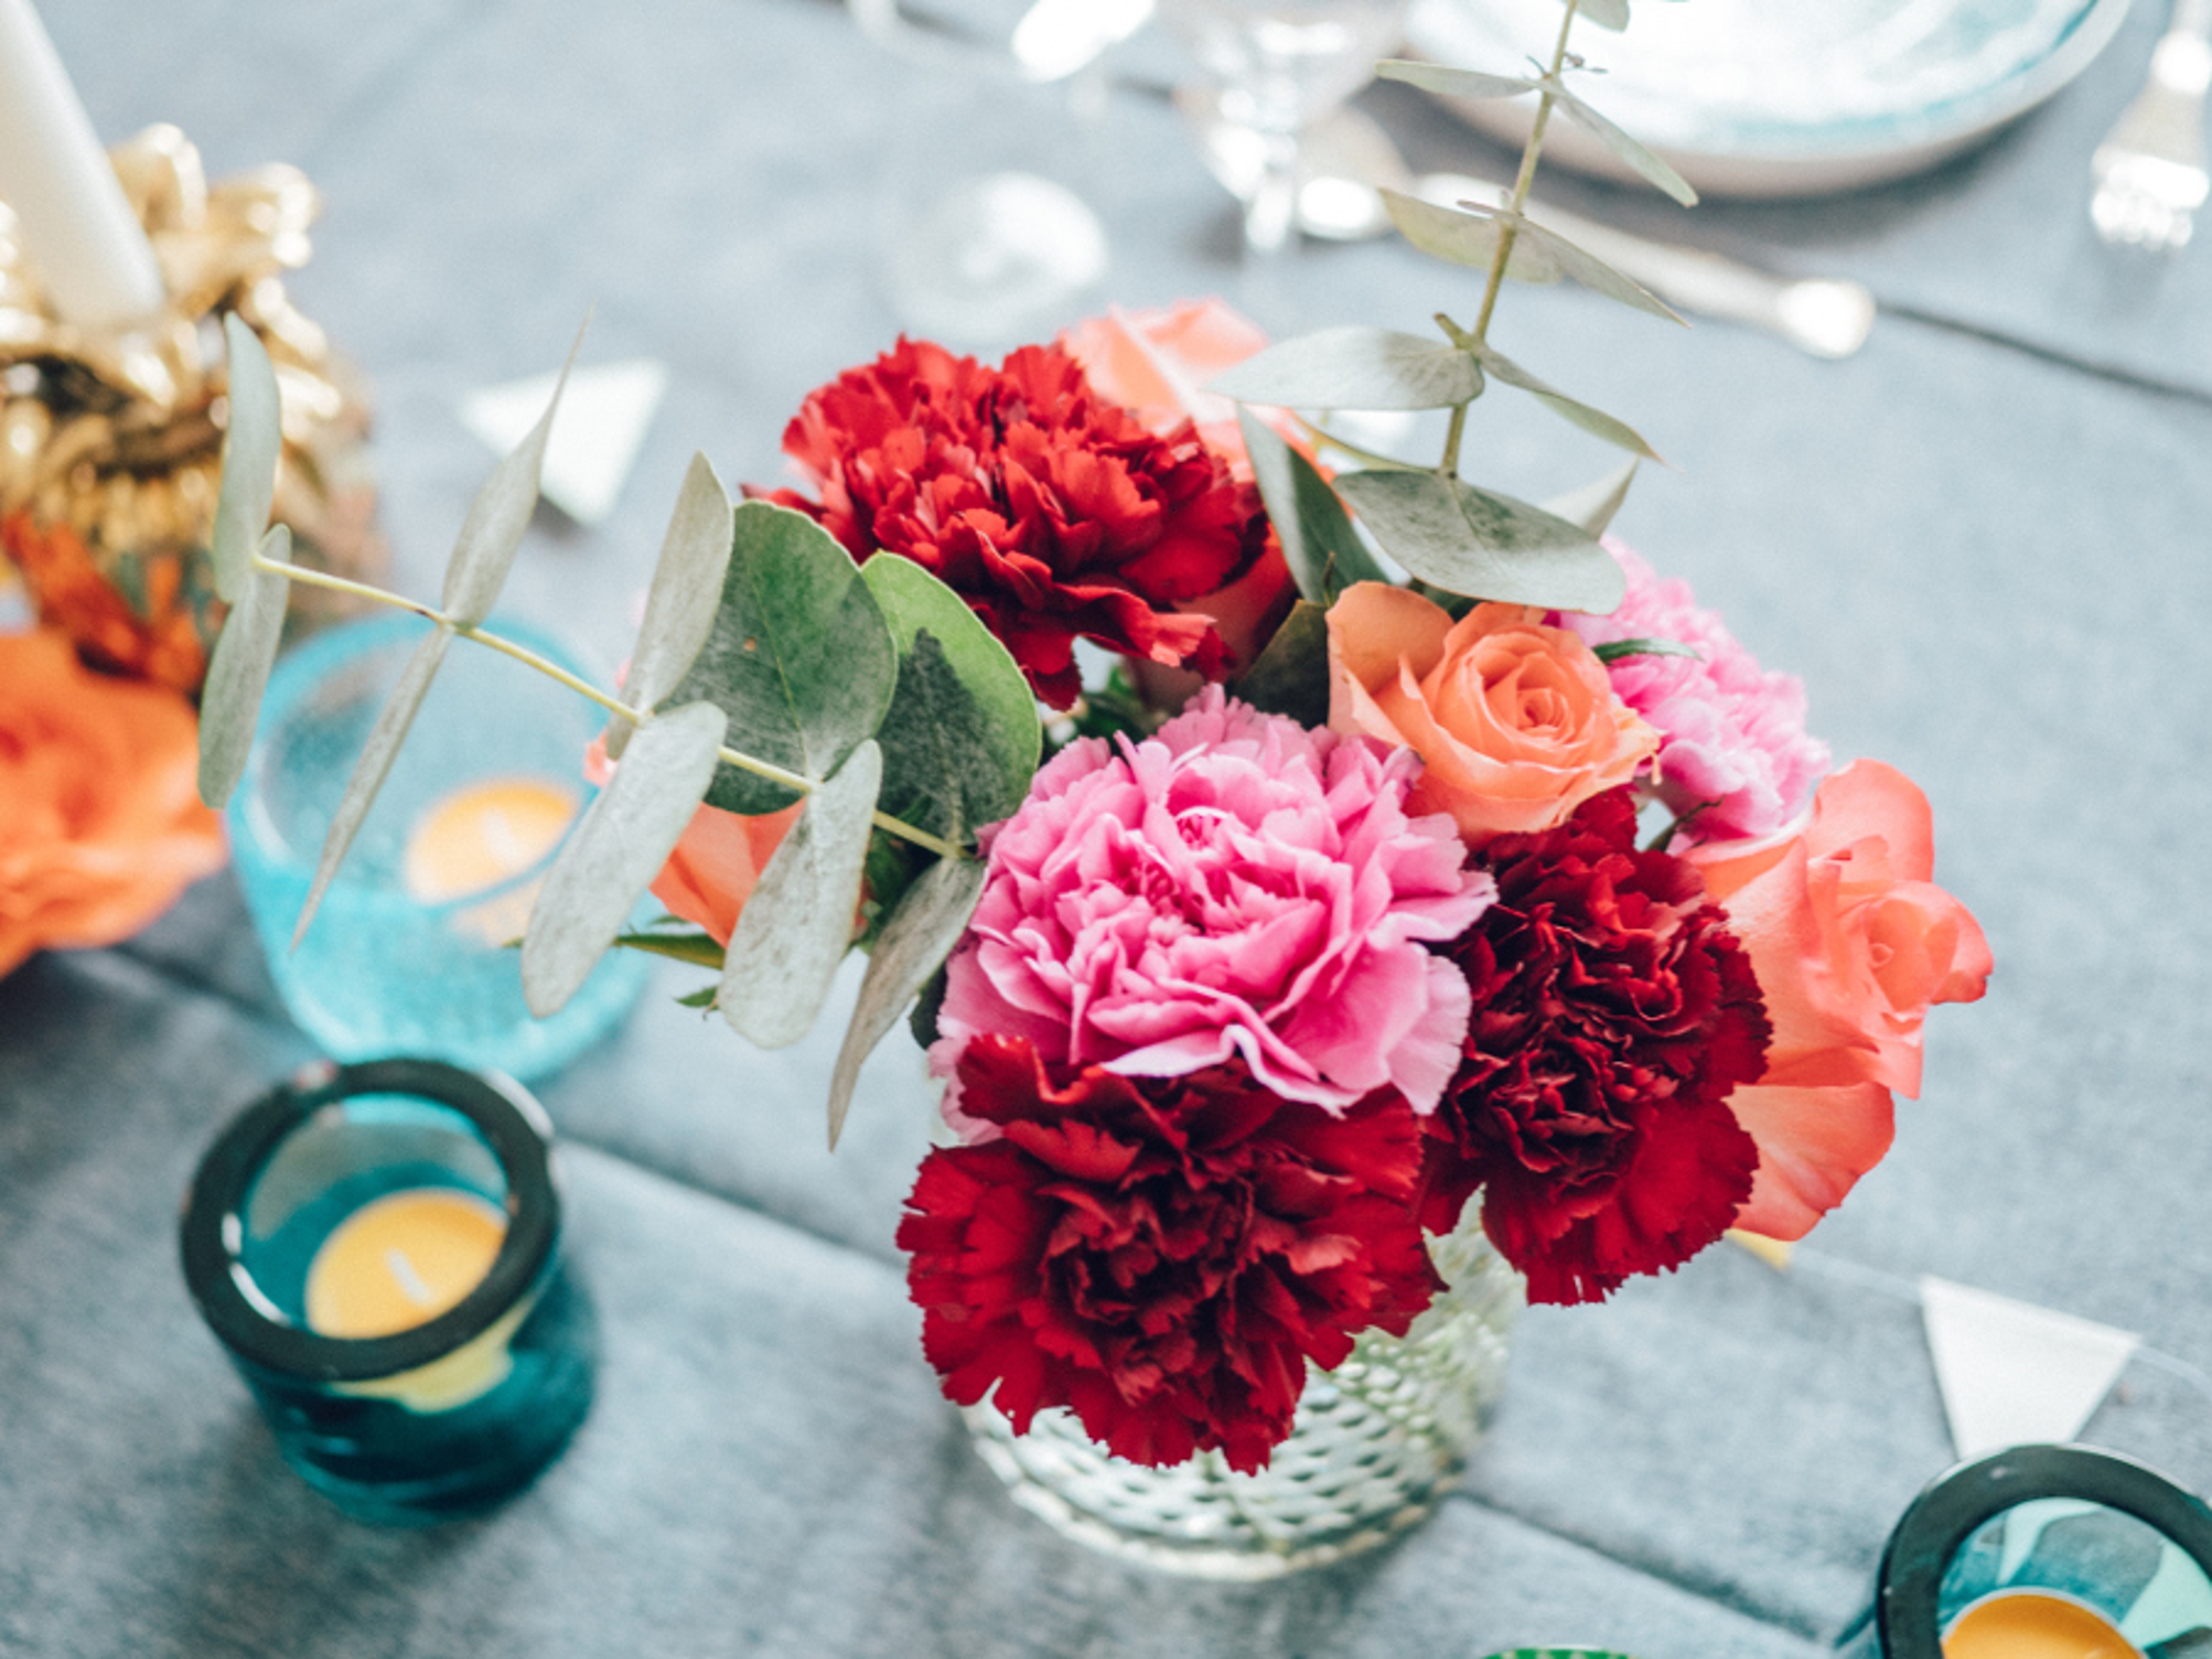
2150, 169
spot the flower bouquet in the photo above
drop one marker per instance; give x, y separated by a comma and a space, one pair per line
1416, 896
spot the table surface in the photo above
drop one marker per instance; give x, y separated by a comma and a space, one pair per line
1982, 541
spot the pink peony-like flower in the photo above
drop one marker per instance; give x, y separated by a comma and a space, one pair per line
1235, 886
1731, 733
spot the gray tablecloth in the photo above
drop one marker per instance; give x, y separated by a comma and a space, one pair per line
1982, 541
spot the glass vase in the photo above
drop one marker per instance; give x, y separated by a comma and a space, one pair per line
1377, 1444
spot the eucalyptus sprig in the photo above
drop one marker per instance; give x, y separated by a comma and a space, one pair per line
769, 669
1460, 541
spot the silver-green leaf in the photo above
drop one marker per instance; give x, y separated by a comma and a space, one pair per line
798, 925
687, 586
1605, 14
1465, 238
1447, 82
920, 935
798, 656
1594, 504
1322, 549
374, 766
1595, 421
492, 533
615, 851
1486, 545
1354, 367
1586, 268
252, 443
1631, 153
238, 672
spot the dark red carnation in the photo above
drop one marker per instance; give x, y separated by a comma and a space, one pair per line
1161, 1255
1614, 1013
1052, 512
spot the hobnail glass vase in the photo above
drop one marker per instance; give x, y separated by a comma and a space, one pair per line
1377, 1444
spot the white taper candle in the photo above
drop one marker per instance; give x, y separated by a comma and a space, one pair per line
78, 234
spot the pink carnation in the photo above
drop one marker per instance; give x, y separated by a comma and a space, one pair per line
1235, 886
1730, 733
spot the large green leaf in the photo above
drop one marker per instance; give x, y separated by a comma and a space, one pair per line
252, 444
374, 766
1486, 545
687, 586
798, 656
485, 552
1290, 677
1354, 367
1594, 504
1629, 152
1595, 421
1455, 83
797, 924
615, 850
1467, 237
1322, 549
962, 738
920, 935
238, 672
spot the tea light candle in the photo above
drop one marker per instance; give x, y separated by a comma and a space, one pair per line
2035, 1626
485, 833
377, 1247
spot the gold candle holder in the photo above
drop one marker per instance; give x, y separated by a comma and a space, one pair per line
111, 441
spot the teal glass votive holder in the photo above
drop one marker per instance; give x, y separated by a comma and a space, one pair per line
378, 1247
411, 952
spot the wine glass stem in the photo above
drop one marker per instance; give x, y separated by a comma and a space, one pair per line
1271, 217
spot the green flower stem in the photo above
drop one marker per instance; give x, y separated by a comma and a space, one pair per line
1372, 457
1529, 152
744, 762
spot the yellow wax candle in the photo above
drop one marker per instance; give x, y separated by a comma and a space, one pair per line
483, 833
401, 1260
2030, 1624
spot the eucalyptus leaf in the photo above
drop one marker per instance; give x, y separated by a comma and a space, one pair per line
1354, 367
252, 443
1605, 14
687, 586
1486, 545
798, 656
1592, 272
1595, 421
238, 672
701, 950
920, 935
1290, 677
797, 924
1623, 145
1465, 235
703, 998
1455, 83
374, 766
1322, 549
1594, 504
615, 851
1614, 650
491, 534
962, 737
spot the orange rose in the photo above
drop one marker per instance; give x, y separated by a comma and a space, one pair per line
1516, 722
1155, 364
1852, 943
101, 823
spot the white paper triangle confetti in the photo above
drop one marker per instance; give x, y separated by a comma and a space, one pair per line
602, 420
2012, 1374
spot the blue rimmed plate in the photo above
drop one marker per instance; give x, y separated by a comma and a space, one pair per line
1785, 97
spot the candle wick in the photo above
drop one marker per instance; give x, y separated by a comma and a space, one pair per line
409, 1280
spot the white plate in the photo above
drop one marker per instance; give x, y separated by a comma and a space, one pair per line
1783, 97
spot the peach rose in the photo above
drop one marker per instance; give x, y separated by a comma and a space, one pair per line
1516, 722
1852, 943
717, 861
101, 823
1155, 364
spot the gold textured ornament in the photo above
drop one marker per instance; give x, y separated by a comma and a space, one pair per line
111, 441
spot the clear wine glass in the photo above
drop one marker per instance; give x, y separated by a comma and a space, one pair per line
983, 252
1278, 66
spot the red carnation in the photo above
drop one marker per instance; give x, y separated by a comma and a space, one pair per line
1162, 1256
1614, 1013
1052, 512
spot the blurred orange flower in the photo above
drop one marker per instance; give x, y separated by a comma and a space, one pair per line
162, 644
101, 823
